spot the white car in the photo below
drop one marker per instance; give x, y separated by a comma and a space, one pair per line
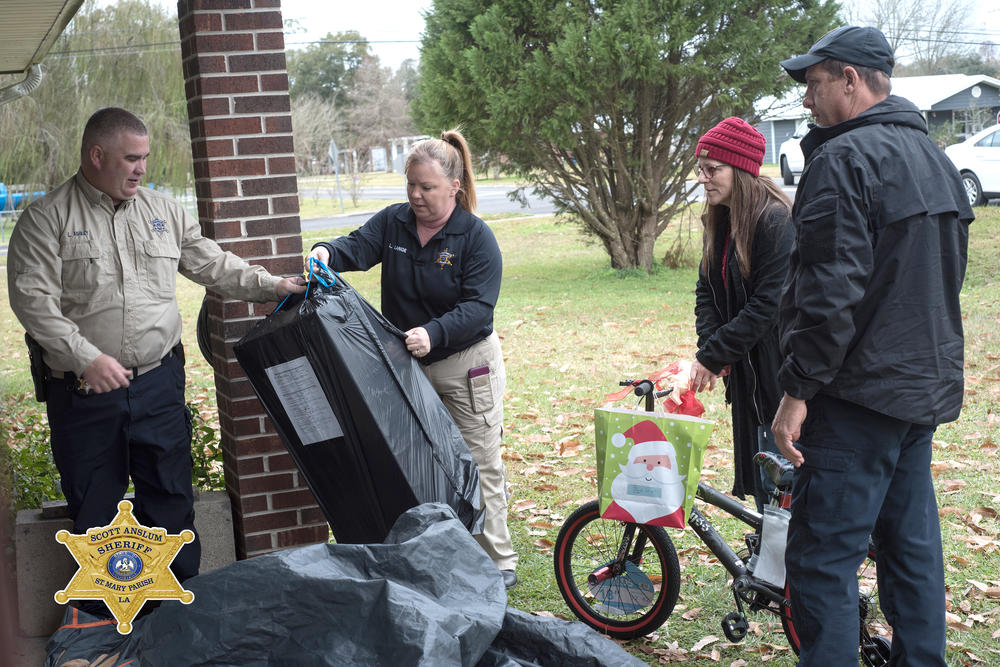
978, 160
790, 155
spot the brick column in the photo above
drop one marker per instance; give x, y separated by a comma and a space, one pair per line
244, 166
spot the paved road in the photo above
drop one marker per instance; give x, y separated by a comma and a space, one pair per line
490, 198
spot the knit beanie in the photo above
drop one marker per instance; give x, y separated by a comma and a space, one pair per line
735, 142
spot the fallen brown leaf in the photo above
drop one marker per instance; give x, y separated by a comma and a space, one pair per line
955, 622
987, 512
522, 505
691, 614
703, 642
953, 485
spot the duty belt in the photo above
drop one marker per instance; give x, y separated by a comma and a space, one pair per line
136, 370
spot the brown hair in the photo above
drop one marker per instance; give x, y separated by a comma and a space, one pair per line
451, 152
107, 122
751, 197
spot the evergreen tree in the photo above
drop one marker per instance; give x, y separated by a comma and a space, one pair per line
599, 103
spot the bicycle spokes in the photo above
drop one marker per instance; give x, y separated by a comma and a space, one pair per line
624, 594
876, 634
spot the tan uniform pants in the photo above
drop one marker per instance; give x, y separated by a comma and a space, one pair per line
476, 405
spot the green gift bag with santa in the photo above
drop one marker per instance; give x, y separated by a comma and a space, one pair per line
648, 464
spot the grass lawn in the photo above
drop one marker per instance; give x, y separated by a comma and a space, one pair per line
571, 328
771, 169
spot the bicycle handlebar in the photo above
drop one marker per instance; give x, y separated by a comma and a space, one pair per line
646, 388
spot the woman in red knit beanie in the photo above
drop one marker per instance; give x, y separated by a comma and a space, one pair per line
747, 238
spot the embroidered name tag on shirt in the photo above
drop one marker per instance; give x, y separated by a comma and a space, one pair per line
397, 248
79, 232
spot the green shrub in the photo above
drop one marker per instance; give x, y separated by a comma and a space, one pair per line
29, 466
206, 450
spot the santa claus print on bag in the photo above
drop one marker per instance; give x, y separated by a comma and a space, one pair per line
648, 489
655, 482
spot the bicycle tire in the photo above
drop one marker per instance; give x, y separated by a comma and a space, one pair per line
585, 544
876, 633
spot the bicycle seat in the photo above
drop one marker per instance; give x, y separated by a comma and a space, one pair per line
778, 469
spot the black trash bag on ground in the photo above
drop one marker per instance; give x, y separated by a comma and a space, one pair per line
359, 417
535, 641
430, 590
429, 596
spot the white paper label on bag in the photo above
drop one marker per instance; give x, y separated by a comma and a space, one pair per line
303, 400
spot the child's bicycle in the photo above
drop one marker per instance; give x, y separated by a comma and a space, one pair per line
623, 578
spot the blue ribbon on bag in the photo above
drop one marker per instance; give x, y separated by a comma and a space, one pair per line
313, 264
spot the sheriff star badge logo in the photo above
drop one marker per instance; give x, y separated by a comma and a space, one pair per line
444, 259
124, 564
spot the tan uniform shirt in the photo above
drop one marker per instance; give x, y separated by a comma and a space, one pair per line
85, 279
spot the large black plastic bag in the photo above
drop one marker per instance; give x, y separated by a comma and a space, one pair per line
429, 596
413, 600
362, 422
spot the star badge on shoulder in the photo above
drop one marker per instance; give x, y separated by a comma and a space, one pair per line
124, 564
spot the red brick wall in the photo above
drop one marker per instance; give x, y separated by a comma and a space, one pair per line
241, 136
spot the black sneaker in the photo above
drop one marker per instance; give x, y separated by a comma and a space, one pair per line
509, 578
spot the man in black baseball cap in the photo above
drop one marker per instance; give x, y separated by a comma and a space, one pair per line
855, 45
871, 335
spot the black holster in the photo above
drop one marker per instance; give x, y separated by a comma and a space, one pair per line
39, 369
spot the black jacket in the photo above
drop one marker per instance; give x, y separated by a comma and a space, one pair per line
738, 327
449, 286
870, 313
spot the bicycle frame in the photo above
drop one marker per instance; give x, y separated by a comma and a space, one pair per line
743, 580
710, 536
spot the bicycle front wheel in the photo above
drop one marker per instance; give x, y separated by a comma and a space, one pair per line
619, 578
876, 633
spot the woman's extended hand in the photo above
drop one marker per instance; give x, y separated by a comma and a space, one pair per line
701, 377
418, 342
320, 253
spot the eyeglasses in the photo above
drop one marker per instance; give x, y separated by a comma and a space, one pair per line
708, 171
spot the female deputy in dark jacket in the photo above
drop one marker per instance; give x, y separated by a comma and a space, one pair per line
747, 241
441, 271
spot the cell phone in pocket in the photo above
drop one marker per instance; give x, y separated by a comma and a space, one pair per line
480, 389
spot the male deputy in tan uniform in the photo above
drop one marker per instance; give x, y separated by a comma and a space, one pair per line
92, 278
